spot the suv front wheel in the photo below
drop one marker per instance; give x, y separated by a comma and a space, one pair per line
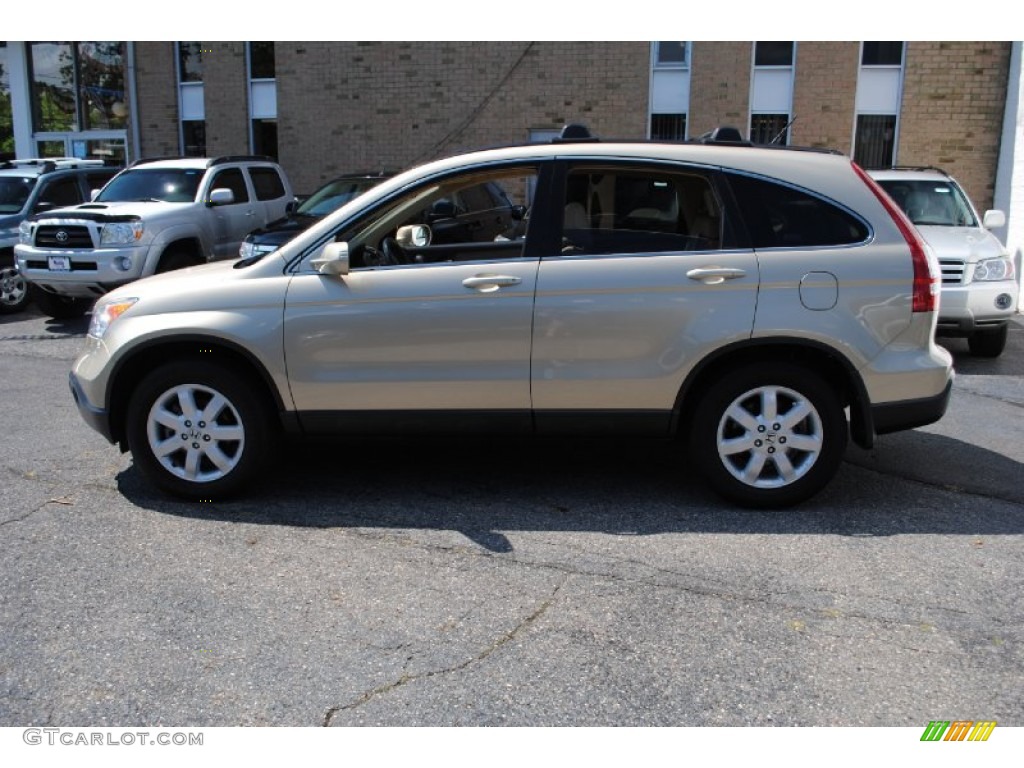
197, 430
13, 291
769, 436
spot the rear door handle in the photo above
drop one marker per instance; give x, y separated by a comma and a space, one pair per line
715, 275
490, 283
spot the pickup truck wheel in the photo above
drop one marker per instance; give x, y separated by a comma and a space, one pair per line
57, 306
988, 343
13, 291
176, 259
770, 435
197, 430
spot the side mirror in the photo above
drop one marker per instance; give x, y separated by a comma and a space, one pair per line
221, 197
413, 236
41, 206
333, 260
291, 207
518, 212
93, 194
994, 220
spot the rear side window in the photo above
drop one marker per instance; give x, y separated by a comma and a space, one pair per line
778, 216
639, 210
267, 183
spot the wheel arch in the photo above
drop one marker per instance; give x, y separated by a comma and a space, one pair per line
131, 369
819, 358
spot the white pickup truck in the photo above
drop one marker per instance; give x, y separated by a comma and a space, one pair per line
155, 216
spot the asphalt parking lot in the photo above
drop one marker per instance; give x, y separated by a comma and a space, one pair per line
526, 583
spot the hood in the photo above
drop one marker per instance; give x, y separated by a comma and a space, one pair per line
109, 211
968, 243
282, 230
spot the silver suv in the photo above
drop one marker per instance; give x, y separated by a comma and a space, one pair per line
156, 216
739, 298
979, 289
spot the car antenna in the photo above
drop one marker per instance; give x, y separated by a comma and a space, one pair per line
782, 133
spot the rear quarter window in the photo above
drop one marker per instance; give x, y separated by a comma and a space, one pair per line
778, 216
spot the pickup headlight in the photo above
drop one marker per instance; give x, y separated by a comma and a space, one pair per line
104, 315
121, 233
993, 269
248, 249
25, 233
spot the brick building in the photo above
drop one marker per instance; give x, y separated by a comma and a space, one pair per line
326, 108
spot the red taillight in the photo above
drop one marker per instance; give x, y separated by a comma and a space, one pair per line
926, 282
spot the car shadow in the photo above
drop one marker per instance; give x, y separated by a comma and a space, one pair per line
636, 488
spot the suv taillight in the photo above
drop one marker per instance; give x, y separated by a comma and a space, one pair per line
926, 281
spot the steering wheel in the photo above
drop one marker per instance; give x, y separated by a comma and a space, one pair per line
392, 253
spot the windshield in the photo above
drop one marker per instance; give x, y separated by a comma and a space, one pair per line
335, 194
172, 185
931, 203
14, 191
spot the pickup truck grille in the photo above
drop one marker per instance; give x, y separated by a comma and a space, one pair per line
51, 236
952, 271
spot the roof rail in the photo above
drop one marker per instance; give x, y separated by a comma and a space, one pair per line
574, 132
240, 158
144, 160
918, 168
724, 134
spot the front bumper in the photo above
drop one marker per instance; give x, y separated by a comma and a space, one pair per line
97, 418
969, 308
92, 273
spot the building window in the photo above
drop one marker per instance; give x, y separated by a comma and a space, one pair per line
670, 54
191, 99
6, 116
769, 129
78, 86
875, 141
262, 99
887, 54
773, 54
53, 87
668, 127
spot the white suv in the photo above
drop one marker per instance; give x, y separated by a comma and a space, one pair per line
979, 290
156, 216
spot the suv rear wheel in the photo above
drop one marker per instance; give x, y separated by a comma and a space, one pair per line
771, 435
988, 343
198, 430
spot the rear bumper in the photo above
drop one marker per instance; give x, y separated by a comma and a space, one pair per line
907, 414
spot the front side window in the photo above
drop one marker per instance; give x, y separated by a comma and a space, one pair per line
231, 178
59, 193
778, 216
478, 216
172, 185
14, 191
639, 211
931, 203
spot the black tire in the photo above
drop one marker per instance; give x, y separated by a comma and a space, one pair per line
988, 343
789, 457
14, 295
176, 258
57, 306
215, 460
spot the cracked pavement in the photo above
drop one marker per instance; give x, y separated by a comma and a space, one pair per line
471, 583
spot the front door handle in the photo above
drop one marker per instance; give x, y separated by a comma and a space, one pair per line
715, 275
490, 283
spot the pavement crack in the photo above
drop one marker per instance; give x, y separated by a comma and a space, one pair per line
499, 642
27, 514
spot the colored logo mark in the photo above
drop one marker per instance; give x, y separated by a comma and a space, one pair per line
958, 730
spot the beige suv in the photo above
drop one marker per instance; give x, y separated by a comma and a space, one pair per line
743, 299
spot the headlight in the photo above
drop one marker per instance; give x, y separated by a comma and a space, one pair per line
993, 269
249, 249
25, 233
121, 233
104, 315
